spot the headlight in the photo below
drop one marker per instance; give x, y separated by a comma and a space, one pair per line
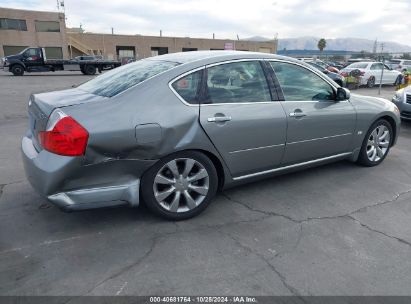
398, 96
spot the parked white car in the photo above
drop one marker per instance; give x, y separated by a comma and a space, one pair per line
400, 65
371, 73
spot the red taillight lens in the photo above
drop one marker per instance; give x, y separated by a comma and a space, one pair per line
67, 138
362, 73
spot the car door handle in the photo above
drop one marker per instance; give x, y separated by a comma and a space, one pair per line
219, 119
297, 114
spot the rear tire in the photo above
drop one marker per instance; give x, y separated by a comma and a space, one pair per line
180, 186
376, 144
90, 69
371, 82
17, 70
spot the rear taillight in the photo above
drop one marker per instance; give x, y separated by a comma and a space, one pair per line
362, 73
64, 135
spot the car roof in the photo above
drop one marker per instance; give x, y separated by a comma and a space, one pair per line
209, 56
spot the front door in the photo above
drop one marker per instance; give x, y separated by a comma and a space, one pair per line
240, 117
318, 126
33, 57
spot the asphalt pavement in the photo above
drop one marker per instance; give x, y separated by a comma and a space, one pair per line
339, 229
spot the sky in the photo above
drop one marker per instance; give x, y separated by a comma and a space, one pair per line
387, 20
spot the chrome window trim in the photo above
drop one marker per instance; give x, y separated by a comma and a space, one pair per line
212, 65
291, 166
170, 85
239, 103
311, 69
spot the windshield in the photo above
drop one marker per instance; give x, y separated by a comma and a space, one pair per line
120, 79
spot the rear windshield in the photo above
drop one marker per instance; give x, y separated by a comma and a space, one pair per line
357, 65
120, 79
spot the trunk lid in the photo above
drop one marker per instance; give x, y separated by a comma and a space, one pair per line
43, 104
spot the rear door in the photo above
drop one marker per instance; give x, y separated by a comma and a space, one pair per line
242, 119
318, 126
376, 70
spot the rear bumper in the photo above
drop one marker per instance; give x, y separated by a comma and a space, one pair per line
71, 185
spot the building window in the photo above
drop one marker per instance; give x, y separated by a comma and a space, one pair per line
12, 49
13, 24
189, 49
47, 26
54, 52
155, 51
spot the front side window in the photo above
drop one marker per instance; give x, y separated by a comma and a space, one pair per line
300, 84
237, 82
188, 86
120, 79
31, 52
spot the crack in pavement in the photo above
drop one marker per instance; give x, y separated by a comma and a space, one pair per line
154, 241
270, 213
124, 269
50, 242
282, 277
1, 189
348, 215
379, 231
3, 186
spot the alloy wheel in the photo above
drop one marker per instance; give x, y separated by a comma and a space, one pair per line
378, 143
181, 185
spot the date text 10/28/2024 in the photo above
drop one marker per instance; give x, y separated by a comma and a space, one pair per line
203, 299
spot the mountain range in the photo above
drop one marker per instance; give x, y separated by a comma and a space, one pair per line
340, 44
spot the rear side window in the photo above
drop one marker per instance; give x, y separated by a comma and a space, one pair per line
188, 86
120, 79
237, 82
376, 66
358, 65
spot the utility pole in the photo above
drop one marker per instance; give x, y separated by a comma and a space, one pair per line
382, 70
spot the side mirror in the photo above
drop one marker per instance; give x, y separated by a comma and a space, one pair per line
342, 94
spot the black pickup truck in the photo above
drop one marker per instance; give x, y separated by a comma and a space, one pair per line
35, 60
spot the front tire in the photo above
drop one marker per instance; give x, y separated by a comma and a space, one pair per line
180, 186
17, 70
90, 69
377, 143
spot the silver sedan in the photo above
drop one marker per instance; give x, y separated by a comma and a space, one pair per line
402, 99
170, 131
